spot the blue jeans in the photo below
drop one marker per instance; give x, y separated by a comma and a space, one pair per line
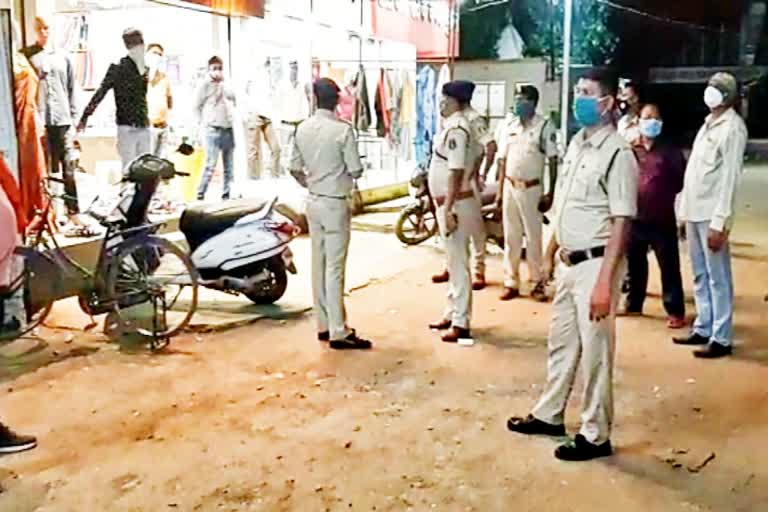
217, 140
713, 286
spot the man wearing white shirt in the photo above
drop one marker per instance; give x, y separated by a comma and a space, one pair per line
214, 105
707, 206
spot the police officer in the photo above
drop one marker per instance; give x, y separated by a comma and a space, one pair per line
483, 146
324, 159
595, 202
529, 139
458, 207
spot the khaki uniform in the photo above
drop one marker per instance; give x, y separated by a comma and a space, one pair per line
598, 184
325, 159
452, 151
260, 130
480, 137
525, 150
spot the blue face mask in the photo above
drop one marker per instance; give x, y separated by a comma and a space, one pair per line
586, 109
524, 110
650, 128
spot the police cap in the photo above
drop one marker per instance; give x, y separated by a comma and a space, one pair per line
461, 90
326, 89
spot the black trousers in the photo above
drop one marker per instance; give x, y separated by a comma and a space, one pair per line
60, 144
662, 238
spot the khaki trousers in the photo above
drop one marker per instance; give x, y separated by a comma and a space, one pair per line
521, 218
260, 131
576, 341
470, 222
329, 229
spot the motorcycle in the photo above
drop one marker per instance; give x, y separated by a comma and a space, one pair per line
241, 247
417, 222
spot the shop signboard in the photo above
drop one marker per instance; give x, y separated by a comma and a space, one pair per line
344, 14
233, 7
427, 24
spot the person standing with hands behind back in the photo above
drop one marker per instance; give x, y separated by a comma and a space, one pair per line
662, 167
215, 105
595, 201
711, 180
324, 159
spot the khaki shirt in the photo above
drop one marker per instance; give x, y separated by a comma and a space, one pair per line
525, 148
597, 184
324, 155
159, 99
714, 170
452, 152
478, 131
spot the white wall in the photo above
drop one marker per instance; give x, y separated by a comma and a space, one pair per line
532, 71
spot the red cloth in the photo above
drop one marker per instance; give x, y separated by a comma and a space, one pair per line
8, 183
346, 108
29, 134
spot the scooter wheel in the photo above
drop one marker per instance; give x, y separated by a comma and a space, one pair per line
273, 288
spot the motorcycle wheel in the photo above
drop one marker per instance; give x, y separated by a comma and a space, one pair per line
271, 290
414, 225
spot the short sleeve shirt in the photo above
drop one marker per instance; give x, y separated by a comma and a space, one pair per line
325, 150
478, 131
598, 184
452, 152
525, 148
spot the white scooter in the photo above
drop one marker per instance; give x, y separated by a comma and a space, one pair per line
241, 247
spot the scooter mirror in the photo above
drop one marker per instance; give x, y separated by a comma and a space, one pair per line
185, 149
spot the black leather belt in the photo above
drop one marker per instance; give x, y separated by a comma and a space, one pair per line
573, 258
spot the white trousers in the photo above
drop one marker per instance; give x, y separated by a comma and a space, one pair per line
576, 341
521, 218
470, 222
132, 142
329, 229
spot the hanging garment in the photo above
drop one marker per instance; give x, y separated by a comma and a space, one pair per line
383, 105
345, 110
396, 89
12, 192
31, 156
443, 78
363, 105
425, 115
406, 109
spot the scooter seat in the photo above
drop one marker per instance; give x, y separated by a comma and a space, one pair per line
201, 223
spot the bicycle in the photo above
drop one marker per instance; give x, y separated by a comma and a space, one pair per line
145, 283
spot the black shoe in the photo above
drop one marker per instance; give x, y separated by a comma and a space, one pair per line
693, 339
532, 426
713, 350
10, 442
323, 336
351, 342
579, 449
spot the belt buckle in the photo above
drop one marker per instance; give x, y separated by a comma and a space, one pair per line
565, 258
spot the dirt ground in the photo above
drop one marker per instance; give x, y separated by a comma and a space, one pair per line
266, 418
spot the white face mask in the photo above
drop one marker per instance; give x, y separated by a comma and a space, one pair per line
137, 56
152, 60
713, 98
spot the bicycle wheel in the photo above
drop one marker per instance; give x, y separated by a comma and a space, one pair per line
152, 285
28, 300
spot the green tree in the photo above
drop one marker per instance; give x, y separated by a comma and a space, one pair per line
592, 40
